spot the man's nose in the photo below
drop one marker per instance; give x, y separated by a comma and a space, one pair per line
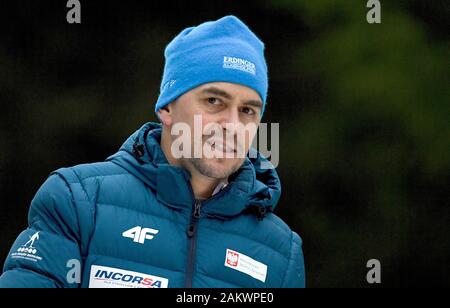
231, 122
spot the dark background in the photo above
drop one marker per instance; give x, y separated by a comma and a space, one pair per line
363, 111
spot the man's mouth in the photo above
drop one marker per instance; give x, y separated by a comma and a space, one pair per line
218, 145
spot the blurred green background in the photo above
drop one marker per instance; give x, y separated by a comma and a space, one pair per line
363, 109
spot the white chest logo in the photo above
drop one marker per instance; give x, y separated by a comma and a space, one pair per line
139, 234
244, 264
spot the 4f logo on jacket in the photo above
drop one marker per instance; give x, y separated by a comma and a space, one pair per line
139, 234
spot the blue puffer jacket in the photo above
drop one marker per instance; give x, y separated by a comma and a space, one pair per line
132, 221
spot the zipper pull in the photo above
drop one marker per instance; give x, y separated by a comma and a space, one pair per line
195, 217
197, 209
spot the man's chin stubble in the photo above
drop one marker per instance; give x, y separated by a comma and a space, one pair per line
207, 170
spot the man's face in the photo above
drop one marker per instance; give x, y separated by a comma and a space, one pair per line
229, 113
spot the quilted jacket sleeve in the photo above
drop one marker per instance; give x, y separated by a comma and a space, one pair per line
295, 273
47, 253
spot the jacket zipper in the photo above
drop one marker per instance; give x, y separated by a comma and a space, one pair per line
192, 235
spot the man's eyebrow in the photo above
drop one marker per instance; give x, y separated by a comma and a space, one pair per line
254, 103
217, 91
220, 92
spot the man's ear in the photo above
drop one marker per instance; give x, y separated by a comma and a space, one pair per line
165, 115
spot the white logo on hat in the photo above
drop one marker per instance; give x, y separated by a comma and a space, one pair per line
239, 64
169, 84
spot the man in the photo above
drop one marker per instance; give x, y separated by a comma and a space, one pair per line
150, 217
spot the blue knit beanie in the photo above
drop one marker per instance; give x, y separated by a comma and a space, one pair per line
225, 50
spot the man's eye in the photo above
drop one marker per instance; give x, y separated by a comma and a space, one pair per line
213, 101
248, 111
